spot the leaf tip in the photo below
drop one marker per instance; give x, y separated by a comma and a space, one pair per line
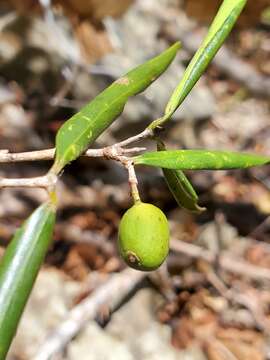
177, 45
199, 209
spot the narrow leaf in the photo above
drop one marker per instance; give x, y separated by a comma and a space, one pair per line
218, 32
200, 160
180, 187
19, 267
176, 182
83, 128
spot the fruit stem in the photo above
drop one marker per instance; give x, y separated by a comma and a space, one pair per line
135, 193
133, 182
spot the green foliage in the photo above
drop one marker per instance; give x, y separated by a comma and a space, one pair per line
19, 268
83, 128
200, 160
180, 187
218, 32
143, 239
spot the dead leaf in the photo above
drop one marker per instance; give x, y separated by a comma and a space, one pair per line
94, 42
99, 9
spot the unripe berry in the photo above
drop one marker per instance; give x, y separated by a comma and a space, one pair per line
143, 239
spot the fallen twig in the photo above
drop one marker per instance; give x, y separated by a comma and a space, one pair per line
112, 292
226, 262
75, 234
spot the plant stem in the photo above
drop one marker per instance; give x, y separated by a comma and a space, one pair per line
145, 134
113, 152
159, 122
132, 178
48, 154
47, 181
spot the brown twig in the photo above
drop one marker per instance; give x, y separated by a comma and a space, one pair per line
226, 262
112, 292
7, 157
117, 149
234, 296
75, 234
114, 152
48, 154
145, 134
47, 182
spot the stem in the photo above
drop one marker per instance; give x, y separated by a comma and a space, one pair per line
6, 156
48, 154
48, 182
146, 133
132, 178
158, 123
115, 152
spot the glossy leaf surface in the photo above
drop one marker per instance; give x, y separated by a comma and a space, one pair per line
218, 32
178, 184
180, 187
83, 128
19, 267
200, 160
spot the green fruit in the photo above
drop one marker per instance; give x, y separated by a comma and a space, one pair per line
144, 237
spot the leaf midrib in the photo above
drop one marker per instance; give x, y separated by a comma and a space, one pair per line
124, 95
190, 74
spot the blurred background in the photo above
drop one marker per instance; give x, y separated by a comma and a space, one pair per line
211, 299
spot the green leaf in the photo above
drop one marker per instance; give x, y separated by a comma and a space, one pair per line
83, 128
178, 184
200, 160
180, 187
19, 267
218, 32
